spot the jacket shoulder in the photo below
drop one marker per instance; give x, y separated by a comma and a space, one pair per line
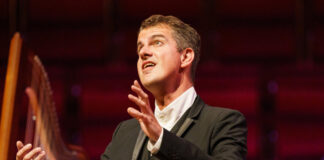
220, 111
128, 124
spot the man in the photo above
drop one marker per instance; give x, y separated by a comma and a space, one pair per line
182, 126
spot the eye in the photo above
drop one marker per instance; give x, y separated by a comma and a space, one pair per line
158, 43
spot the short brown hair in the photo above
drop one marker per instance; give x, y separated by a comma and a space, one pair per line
184, 35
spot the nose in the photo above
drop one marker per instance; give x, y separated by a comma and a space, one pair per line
145, 53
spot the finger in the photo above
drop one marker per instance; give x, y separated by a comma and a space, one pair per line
143, 94
33, 153
19, 145
23, 150
136, 83
41, 156
138, 102
142, 118
140, 93
138, 86
135, 113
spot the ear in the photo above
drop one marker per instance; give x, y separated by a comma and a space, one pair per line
187, 57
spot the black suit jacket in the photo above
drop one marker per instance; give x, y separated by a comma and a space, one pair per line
203, 133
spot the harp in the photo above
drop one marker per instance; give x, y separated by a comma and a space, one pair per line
42, 128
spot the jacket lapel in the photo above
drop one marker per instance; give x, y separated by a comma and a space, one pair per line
184, 127
139, 143
194, 112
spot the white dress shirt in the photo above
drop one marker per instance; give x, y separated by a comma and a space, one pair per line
170, 115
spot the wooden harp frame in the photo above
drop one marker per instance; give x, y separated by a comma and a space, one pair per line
45, 130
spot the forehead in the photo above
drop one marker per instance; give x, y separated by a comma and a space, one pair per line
149, 32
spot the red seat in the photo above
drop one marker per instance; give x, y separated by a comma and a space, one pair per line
73, 44
104, 91
253, 138
141, 9
300, 95
229, 88
60, 11
318, 38
300, 139
125, 45
299, 110
95, 138
4, 47
255, 9
246, 43
105, 98
318, 6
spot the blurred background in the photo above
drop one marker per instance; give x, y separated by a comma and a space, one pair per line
263, 58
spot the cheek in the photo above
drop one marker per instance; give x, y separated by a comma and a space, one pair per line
139, 69
138, 65
172, 63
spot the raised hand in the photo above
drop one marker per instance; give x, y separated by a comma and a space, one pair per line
144, 115
26, 152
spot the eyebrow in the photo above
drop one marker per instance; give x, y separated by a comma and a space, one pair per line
158, 36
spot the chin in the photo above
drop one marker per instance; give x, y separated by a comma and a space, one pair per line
149, 83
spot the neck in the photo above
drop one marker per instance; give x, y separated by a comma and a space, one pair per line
170, 93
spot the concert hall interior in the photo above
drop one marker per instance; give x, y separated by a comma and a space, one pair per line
263, 58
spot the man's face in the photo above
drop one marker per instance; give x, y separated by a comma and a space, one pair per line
158, 57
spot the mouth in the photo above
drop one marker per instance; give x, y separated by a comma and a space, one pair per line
148, 64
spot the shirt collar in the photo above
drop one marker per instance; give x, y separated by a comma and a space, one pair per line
169, 116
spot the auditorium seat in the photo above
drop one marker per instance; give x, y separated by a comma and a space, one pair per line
255, 44
125, 45
253, 137
66, 31
299, 112
66, 12
104, 93
232, 87
318, 6
95, 138
103, 103
4, 47
317, 43
254, 9
98, 102
67, 44
300, 95
133, 12
300, 139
